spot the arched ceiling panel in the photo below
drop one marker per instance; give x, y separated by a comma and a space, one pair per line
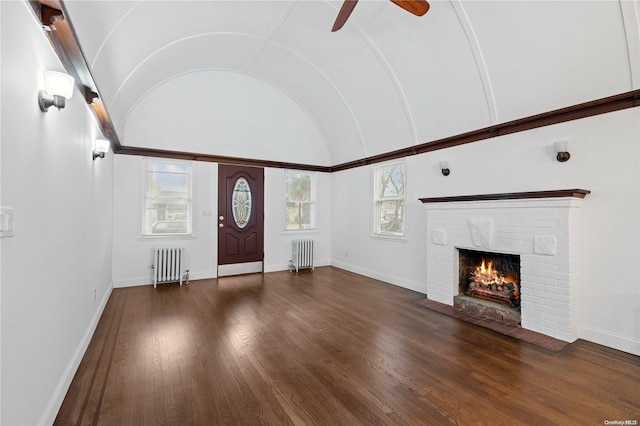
631, 21
547, 55
228, 114
436, 69
177, 59
356, 69
148, 26
110, 14
316, 92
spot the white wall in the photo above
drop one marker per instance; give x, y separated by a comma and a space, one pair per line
277, 242
132, 258
132, 253
604, 159
56, 269
398, 261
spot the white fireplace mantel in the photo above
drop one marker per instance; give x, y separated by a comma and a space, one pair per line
542, 227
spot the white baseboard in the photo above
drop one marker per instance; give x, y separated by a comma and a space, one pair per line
132, 282
411, 285
204, 275
276, 267
50, 413
135, 282
606, 338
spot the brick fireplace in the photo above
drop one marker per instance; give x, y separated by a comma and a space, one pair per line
541, 228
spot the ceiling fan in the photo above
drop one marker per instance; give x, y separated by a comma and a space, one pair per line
417, 7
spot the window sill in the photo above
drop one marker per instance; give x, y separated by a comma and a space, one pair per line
398, 238
299, 231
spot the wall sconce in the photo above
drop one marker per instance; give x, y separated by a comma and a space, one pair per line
561, 148
102, 147
58, 88
444, 167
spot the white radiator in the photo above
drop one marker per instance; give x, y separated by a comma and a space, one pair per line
301, 254
168, 265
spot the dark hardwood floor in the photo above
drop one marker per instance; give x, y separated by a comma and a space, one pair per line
329, 347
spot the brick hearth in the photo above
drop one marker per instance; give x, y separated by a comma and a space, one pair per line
499, 326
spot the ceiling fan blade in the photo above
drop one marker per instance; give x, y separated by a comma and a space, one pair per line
417, 7
343, 15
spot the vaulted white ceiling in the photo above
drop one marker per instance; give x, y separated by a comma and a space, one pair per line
269, 80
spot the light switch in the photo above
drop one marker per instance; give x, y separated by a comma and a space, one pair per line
6, 222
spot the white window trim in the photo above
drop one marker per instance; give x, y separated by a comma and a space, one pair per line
375, 217
191, 201
313, 202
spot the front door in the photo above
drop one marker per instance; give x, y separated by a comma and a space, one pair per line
240, 219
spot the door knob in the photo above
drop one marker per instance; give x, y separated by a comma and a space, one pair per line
221, 225
221, 218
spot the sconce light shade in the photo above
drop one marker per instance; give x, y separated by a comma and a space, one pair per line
58, 84
58, 88
444, 168
561, 149
101, 148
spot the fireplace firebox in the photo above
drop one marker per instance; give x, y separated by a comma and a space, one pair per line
494, 277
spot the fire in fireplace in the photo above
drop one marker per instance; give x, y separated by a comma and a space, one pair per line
490, 276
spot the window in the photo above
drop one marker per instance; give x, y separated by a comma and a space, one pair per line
300, 210
389, 191
167, 198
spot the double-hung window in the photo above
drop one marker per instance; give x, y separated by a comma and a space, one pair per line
300, 201
167, 198
389, 199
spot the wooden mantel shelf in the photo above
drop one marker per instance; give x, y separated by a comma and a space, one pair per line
576, 193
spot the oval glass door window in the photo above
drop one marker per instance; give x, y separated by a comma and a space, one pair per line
241, 202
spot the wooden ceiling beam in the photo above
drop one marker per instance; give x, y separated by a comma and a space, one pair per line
192, 156
599, 106
588, 109
53, 16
